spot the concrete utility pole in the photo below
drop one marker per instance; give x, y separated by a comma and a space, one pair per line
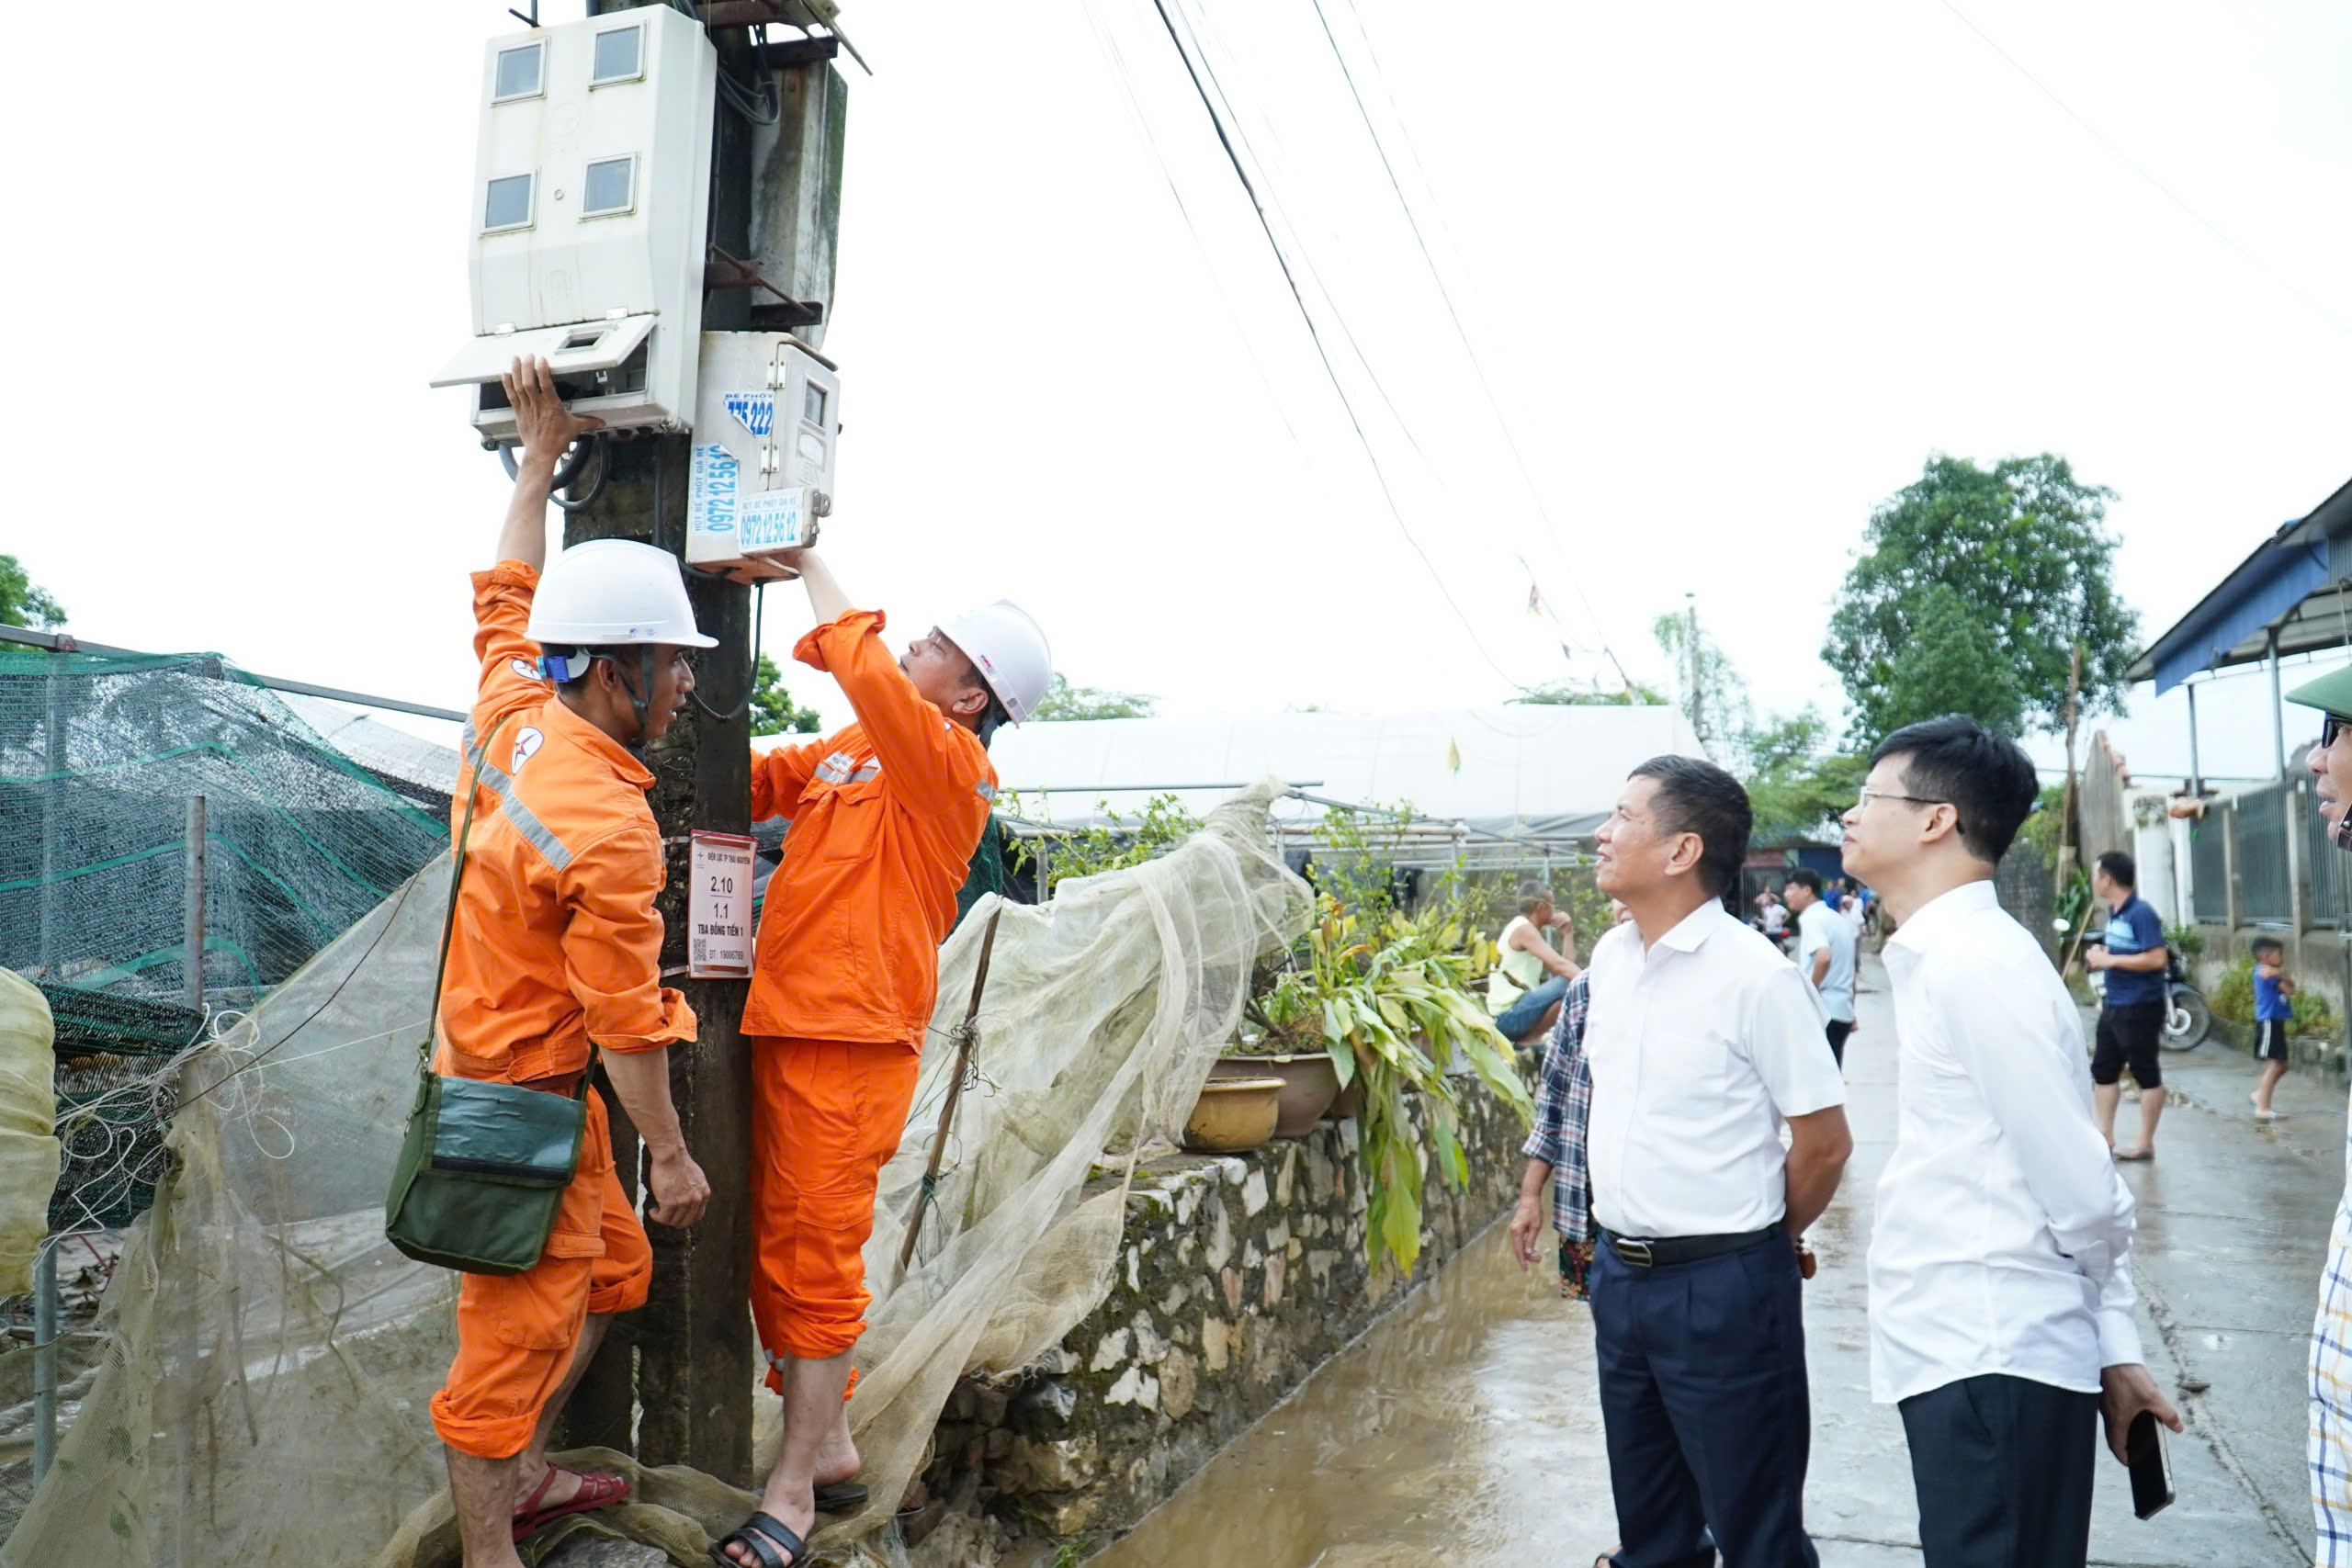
690, 1388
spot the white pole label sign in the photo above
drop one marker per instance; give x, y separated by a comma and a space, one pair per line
718, 907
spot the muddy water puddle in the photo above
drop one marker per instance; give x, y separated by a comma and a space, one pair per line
1462, 1429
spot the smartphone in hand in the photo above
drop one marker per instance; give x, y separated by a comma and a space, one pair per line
2151, 1465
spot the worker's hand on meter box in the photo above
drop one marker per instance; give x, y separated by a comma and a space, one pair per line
679, 1188
547, 427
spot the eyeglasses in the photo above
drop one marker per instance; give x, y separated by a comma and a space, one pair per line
1869, 794
2332, 725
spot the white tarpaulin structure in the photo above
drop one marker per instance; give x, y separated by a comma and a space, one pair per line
1488, 766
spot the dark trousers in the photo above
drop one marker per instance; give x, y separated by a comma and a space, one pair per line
1839, 1030
1704, 1398
2003, 1468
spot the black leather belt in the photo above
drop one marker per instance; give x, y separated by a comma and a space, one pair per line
1657, 1252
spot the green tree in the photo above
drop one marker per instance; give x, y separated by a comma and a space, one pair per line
1952, 662
23, 604
1065, 701
1971, 587
1561, 694
773, 709
1793, 783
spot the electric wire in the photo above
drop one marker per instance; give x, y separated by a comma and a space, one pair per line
751, 675
2317, 306
1116, 59
1477, 368
760, 105
1322, 351
1304, 257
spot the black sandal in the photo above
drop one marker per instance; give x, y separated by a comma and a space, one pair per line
761, 1535
842, 1498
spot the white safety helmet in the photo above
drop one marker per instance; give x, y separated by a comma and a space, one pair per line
1010, 651
611, 593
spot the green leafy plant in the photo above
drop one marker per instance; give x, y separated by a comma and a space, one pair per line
1392, 1004
2040, 829
1112, 844
2188, 941
2233, 998
1347, 866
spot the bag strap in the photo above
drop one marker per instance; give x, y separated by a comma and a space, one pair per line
478, 757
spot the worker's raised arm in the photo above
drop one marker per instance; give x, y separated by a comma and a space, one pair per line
547, 428
506, 659
926, 759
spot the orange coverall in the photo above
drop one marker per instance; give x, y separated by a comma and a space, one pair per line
557, 943
885, 816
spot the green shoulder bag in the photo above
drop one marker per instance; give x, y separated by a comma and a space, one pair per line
482, 1166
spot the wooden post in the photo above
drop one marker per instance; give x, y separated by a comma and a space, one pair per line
2066, 807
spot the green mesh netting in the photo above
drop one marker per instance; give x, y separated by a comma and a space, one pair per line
991, 872
99, 754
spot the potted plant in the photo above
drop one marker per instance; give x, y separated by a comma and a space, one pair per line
1393, 1008
1282, 1036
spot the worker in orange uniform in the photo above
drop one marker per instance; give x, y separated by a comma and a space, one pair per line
885, 816
557, 948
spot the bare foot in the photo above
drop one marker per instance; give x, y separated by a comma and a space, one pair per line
839, 1461
562, 1490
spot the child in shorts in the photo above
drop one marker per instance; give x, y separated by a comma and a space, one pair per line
2272, 1012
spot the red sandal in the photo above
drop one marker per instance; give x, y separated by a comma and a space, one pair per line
598, 1489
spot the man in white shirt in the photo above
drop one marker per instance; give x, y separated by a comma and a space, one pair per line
1703, 1046
2000, 1283
1826, 954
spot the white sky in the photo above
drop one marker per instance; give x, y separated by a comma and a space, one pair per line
1731, 271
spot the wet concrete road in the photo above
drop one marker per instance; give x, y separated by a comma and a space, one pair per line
1463, 1428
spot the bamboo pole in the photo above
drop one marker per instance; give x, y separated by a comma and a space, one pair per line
967, 1037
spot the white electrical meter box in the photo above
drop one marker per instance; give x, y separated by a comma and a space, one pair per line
591, 199
766, 419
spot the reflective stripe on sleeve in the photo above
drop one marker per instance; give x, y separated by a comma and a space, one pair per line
534, 832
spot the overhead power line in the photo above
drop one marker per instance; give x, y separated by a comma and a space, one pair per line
1322, 351
1485, 388
2317, 306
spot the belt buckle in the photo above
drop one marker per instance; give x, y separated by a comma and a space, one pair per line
1630, 1250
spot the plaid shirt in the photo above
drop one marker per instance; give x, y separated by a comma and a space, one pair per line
1563, 1105
2331, 1391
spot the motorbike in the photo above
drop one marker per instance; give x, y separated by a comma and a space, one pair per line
2188, 1018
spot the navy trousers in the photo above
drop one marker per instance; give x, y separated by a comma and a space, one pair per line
2004, 1468
1704, 1398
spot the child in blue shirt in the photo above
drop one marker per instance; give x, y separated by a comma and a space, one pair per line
2272, 1012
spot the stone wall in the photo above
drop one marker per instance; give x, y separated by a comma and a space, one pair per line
1239, 1275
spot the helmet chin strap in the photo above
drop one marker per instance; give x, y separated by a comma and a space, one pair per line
640, 696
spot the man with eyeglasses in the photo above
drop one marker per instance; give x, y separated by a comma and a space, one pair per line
2000, 1286
2330, 1449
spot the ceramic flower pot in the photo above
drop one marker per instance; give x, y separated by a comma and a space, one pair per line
1233, 1114
1309, 1085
